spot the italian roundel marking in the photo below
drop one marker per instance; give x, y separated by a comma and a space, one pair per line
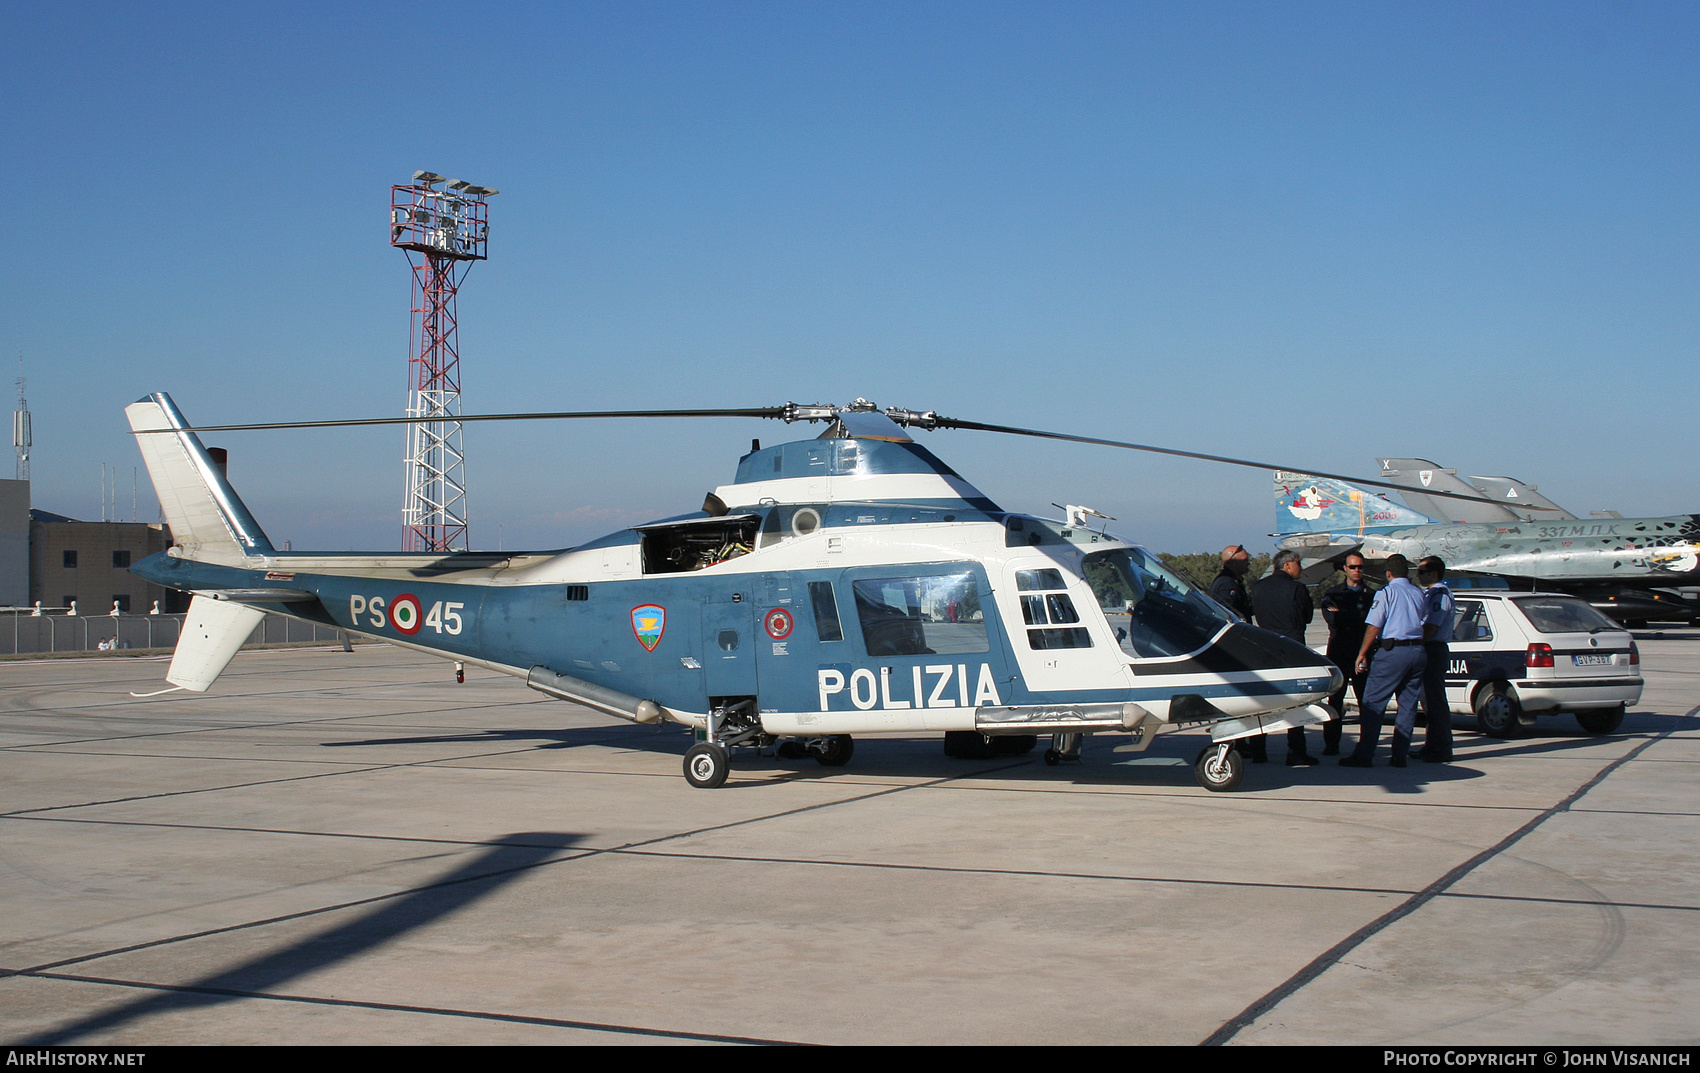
778, 623
405, 614
649, 622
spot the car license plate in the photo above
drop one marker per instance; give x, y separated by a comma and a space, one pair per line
1592, 661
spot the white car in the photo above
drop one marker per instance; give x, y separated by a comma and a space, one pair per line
1518, 654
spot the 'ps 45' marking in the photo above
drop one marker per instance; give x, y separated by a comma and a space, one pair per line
406, 614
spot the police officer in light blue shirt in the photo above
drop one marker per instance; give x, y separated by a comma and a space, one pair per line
1437, 634
1395, 622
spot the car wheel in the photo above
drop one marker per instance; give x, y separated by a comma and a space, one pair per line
1601, 720
1498, 715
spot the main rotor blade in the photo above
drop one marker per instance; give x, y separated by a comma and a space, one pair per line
769, 411
980, 426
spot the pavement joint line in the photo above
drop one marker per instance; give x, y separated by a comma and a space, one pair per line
168, 940
1028, 873
25, 812
226, 727
437, 1011
37, 970
353, 770
470, 843
1333, 955
1590, 902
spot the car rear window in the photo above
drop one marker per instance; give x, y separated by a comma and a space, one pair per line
1563, 614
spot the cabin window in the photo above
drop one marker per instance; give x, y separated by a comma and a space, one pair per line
1038, 580
1154, 612
672, 549
1050, 613
921, 616
827, 626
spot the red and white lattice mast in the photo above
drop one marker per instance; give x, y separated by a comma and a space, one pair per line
448, 230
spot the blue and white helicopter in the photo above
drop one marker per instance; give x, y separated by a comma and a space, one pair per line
847, 584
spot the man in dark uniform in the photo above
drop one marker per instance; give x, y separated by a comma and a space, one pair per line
1228, 590
1282, 605
1344, 608
1437, 636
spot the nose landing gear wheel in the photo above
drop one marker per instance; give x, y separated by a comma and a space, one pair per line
705, 765
1219, 767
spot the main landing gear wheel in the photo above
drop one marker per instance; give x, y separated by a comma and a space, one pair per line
705, 765
1052, 758
968, 745
835, 751
1498, 715
1219, 767
1601, 720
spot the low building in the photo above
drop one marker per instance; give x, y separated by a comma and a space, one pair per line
14, 543
89, 563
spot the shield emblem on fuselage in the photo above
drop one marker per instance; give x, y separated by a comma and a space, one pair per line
649, 622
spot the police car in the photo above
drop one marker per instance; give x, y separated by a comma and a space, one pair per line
1515, 655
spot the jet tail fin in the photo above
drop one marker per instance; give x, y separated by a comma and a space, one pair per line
1418, 474
208, 520
1309, 504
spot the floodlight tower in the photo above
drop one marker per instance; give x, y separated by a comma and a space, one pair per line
448, 230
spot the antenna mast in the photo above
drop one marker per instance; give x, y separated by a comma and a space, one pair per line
22, 439
448, 230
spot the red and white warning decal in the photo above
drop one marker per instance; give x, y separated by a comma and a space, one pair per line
778, 623
404, 613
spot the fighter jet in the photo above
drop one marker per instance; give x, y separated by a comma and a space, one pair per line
1617, 564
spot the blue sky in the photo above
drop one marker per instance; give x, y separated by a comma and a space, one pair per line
1312, 233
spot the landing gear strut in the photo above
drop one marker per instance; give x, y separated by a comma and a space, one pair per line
1064, 747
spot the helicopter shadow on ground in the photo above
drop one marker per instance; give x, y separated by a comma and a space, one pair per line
483, 875
647, 739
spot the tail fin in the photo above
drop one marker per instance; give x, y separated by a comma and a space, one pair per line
1307, 504
1418, 474
1521, 499
207, 518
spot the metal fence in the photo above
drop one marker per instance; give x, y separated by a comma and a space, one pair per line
58, 632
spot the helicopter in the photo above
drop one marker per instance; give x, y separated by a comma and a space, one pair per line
844, 585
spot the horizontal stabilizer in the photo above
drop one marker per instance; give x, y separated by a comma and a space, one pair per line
259, 596
213, 631
1309, 504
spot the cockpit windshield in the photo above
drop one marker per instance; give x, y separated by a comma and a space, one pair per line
1154, 612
